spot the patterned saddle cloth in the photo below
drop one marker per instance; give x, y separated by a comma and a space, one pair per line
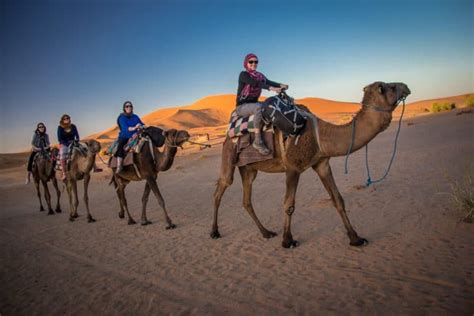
134, 144
239, 126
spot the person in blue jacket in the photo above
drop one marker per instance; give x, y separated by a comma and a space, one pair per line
128, 123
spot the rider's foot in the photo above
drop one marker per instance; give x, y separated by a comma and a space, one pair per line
259, 145
28, 177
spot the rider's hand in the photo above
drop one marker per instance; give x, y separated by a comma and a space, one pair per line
284, 86
275, 89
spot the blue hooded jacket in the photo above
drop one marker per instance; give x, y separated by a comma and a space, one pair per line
124, 122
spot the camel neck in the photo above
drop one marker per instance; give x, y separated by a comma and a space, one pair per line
166, 158
336, 140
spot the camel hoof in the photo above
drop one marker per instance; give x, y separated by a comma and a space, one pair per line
269, 234
290, 243
75, 215
51, 212
215, 234
121, 215
41, 209
131, 222
58, 210
171, 226
147, 222
71, 219
359, 242
90, 219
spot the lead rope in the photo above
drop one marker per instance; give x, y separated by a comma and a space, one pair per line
369, 180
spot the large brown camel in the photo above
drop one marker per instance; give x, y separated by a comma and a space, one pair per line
79, 168
319, 141
43, 171
149, 161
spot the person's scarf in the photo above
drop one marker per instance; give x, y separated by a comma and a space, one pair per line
249, 90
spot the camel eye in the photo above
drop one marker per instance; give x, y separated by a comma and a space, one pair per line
381, 90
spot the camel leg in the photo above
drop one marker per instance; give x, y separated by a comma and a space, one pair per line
58, 195
47, 197
123, 201
121, 213
226, 178
146, 193
292, 179
323, 169
75, 198
71, 205
38, 192
154, 187
87, 179
248, 176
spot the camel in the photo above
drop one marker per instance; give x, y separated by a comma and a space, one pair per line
43, 171
318, 142
149, 161
79, 168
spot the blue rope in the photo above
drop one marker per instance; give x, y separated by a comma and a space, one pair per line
369, 180
350, 147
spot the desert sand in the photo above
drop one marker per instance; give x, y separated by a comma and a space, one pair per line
419, 259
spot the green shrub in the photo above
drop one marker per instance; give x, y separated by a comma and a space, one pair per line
439, 107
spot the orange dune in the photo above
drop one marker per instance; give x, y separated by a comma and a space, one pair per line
212, 111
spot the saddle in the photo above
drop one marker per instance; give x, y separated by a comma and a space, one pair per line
277, 112
134, 145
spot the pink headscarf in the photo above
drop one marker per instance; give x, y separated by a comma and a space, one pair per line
248, 90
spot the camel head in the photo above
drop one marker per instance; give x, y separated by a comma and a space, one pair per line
54, 152
384, 96
93, 145
176, 138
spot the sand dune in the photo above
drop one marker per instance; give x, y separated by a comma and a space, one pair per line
215, 111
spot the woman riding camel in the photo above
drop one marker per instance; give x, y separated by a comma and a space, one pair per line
251, 83
67, 134
128, 124
39, 143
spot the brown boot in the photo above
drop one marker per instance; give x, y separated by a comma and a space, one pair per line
259, 144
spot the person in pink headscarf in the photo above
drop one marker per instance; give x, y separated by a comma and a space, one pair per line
251, 83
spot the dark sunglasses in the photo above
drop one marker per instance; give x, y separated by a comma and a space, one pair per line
40, 126
129, 106
251, 62
66, 118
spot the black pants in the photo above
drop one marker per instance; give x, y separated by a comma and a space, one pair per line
30, 161
120, 150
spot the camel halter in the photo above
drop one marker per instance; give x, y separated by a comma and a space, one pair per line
369, 179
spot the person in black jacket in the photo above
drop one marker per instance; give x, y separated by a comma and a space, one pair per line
251, 83
39, 143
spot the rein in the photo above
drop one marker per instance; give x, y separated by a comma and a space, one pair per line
369, 179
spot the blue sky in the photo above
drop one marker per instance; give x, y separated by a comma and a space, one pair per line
85, 58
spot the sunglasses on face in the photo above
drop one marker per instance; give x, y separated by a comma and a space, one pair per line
251, 62
129, 106
40, 126
66, 119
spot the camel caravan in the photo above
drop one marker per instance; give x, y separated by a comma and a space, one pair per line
275, 136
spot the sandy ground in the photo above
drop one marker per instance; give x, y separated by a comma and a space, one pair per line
419, 260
